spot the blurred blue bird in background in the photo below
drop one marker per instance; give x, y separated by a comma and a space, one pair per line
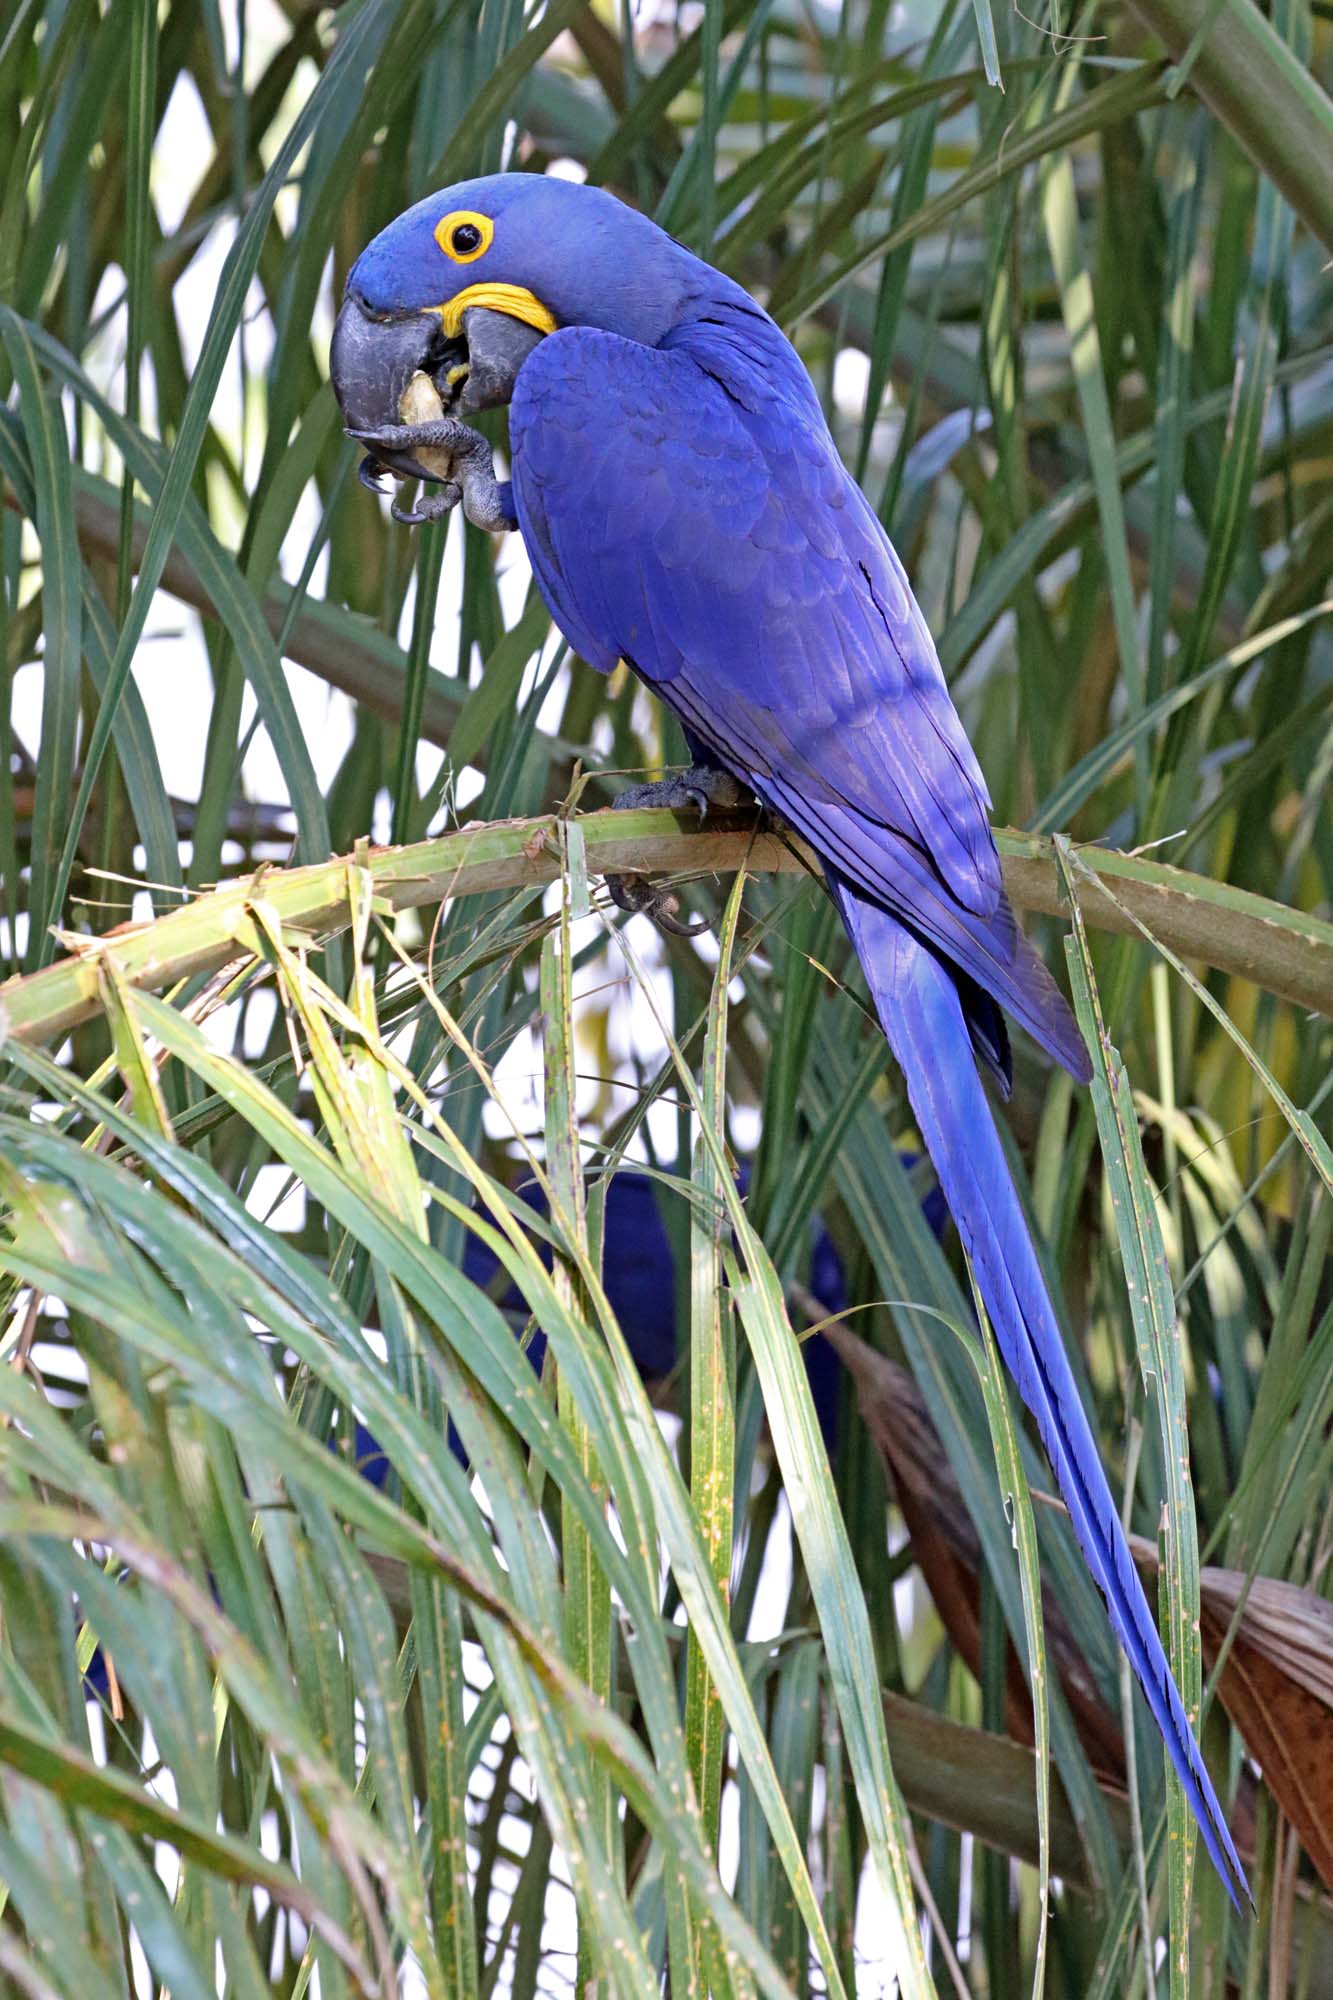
685, 509
639, 1275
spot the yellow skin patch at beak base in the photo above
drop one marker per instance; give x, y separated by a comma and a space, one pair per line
515, 300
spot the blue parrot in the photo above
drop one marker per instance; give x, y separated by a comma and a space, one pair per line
685, 509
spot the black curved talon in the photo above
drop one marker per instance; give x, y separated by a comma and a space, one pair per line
371, 472
428, 506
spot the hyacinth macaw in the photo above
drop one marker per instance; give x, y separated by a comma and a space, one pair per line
685, 509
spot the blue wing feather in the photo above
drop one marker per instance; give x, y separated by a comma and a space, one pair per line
696, 520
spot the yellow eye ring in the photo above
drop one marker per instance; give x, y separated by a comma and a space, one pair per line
464, 235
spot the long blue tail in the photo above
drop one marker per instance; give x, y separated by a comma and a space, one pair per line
922, 1016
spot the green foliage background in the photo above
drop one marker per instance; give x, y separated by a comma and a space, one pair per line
1065, 286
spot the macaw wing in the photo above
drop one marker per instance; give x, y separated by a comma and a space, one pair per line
707, 532
725, 552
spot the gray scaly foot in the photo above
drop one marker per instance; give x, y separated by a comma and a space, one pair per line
487, 502
692, 790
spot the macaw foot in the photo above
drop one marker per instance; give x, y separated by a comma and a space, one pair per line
638, 897
695, 789
449, 452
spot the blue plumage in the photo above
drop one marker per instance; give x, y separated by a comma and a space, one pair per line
685, 508
674, 520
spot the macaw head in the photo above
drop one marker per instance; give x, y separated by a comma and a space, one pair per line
466, 283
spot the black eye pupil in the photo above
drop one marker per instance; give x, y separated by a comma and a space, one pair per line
467, 237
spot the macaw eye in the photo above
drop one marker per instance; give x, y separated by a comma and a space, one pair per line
464, 235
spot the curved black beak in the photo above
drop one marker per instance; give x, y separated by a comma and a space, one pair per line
497, 346
371, 361
373, 358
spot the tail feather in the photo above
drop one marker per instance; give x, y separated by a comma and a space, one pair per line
919, 1006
